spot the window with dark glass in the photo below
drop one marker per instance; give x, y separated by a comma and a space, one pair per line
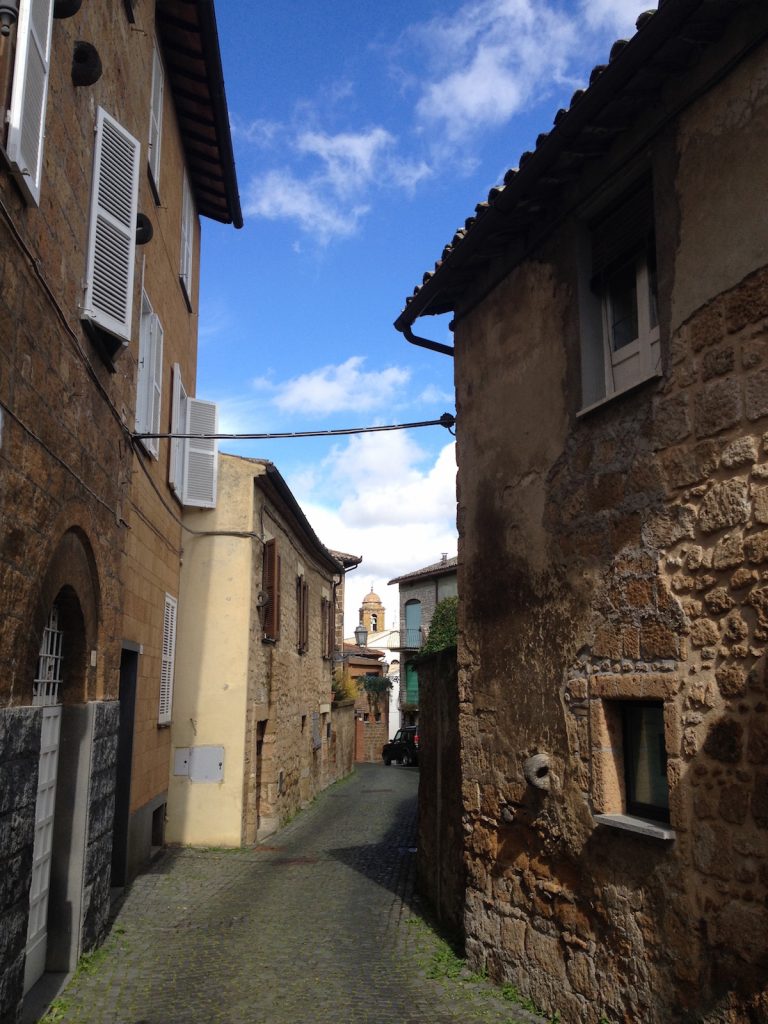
645, 760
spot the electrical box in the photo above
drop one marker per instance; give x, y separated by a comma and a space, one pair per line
200, 764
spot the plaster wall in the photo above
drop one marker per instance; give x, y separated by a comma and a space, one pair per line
212, 655
614, 556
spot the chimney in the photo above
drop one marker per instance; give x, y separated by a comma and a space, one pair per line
443, 558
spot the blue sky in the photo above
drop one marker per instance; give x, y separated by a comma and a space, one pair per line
364, 136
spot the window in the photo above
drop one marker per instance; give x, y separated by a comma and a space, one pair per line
187, 236
193, 461
29, 94
620, 323
108, 301
629, 754
645, 759
156, 119
413, 624
302, 615
168, 655
150, 376
270, 585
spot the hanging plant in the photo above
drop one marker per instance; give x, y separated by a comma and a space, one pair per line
374, 687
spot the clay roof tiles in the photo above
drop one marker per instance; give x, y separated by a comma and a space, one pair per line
666, 41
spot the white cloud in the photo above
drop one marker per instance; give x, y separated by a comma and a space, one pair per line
260, 132
338, 388
399, 511
280, 195
349, 158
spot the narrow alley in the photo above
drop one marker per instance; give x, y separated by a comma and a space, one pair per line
319, 924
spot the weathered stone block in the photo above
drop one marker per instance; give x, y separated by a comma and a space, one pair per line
717, 407
731, 680
760, 800
757, 748
718, 600
707, 327
729, 551
741, 452
756, 395
724, 741
756, 547
704, 633
718, 362
734, 804
747, 304
665, 528
760, 504
18, 785
726, 504
658, 641
20, 733
671, 421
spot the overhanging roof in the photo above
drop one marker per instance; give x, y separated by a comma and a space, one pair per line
666, 43
190, 43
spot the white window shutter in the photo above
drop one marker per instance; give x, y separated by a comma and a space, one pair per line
167, 659
178, 426
112, 231
156, 117
187, 235
29, 93
200, 456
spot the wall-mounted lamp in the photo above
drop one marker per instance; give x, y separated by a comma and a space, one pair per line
361, 636
9, 14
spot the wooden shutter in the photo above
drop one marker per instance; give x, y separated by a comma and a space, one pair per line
112, 232
270, 584
168, 656
302, 615
156, 117
200, 455
187, 218
325, 626
178, 426
29, 93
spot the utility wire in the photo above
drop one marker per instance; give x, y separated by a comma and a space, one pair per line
446, 420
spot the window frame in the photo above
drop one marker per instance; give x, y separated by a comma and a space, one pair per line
187, 240
633, 807
618, 235
302, 614
154, 142
149, 377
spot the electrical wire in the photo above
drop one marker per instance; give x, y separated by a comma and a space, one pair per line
446, 420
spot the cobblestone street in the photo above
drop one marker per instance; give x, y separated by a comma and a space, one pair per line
319, 924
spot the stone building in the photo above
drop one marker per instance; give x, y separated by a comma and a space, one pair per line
254, 734
420, 592
95, 158
610, 306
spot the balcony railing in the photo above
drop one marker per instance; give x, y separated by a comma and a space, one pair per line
406, 639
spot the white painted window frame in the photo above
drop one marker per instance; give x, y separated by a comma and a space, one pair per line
149, 382
156, 117
179, 398
187, 239
640, 359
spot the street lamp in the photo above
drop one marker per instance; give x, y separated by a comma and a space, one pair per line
361, 636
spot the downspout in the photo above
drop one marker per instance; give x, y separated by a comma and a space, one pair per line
433, 346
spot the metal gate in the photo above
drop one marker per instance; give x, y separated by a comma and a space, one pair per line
46, 694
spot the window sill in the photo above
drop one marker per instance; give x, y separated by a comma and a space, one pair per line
656, 375
639, 826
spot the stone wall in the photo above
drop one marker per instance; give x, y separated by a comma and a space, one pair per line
440, 864
19, 757
621, 555
101, 812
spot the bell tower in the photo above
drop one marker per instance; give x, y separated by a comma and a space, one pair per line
372, 613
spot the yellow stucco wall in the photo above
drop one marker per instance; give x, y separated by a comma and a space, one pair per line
210, 689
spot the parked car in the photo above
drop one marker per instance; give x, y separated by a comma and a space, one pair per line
403, 748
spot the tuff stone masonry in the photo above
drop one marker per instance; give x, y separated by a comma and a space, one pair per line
613, 551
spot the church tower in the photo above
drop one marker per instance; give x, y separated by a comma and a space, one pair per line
372, 613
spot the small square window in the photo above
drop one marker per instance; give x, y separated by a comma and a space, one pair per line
645, 759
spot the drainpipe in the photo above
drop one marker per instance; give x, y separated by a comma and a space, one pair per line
433, 346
